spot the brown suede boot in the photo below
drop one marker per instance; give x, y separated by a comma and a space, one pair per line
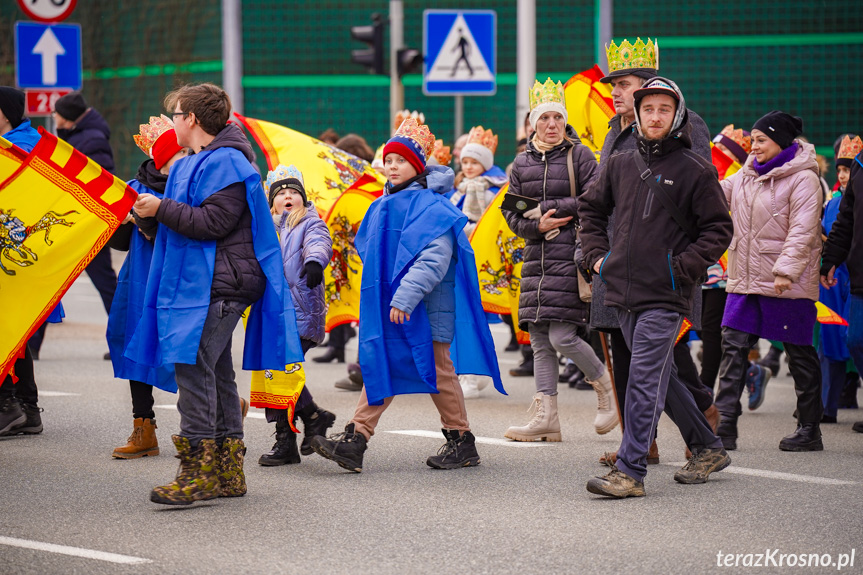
141, 443
653, 454
609, 458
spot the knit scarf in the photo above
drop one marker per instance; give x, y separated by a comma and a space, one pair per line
542, 146
782, 157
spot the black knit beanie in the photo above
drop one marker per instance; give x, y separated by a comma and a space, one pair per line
71, 106
780, 127
291, 183
12, 105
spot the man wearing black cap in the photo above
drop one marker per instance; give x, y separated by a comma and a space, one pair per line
671, 223
88, 132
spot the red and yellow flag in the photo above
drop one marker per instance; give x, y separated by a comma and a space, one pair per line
589, 107
327, 171
57, 210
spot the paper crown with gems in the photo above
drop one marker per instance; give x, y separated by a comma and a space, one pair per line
442, 153
738, 141
481, 146
158, 140
640, 59
546, 98
848, 150
403, 115
413, 141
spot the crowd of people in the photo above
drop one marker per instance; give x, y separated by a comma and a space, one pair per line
667, 235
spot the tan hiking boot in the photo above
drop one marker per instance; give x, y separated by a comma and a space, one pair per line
545, 426
196, 478
606, 409
141, 443
230, 468
616, 484
702, 464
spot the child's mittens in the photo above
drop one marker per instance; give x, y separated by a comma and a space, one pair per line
314, 274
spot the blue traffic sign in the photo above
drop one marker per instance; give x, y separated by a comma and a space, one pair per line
460, 48
47, 56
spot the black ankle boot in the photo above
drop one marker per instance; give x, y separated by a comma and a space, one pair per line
807, 437
346, 448
315, 423
458, 451
284, 451
336, 354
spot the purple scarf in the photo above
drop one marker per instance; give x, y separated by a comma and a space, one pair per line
782, 157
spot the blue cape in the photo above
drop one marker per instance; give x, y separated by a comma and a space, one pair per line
399, 359
181, 275
128, 306
837, 298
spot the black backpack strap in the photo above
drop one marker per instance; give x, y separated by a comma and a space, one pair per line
660, 193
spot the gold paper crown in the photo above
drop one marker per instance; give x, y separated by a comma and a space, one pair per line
403, 115
627, 56
485, 138
738, 137
418, 133
548, 93
849, 148
149, 133
442, 153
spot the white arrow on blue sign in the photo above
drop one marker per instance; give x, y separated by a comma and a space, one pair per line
460, 48
48, 56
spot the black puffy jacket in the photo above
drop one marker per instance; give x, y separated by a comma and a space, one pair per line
226, 218
653, 264
845, 242
549, 281
91, 136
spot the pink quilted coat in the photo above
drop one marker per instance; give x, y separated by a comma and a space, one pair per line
777, 227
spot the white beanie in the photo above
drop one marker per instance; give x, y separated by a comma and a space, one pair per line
479, 153
546, 107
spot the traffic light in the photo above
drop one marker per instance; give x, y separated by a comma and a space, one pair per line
373, 57
408, 60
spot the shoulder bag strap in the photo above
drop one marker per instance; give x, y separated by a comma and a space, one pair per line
669, 205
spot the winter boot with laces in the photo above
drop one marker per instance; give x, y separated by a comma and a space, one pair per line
141, 443
701, 465
230, 468
11, 416
458, 451
606, 409
807, 437
284, 451
345, 448
616, 484
317, 423
196, 479
545, 426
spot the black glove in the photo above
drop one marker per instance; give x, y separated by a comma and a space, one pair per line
314, 274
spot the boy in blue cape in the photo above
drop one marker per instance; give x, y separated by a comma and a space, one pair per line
216, 253
419, 303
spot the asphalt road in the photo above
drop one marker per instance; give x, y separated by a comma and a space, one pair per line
523, 510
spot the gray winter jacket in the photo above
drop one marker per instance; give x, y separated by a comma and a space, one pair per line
308, 241
603, 317
549, 280
431, 277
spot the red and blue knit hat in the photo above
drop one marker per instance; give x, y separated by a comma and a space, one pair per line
413, 141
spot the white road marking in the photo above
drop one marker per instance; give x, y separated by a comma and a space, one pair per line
74, 551
44, 393
250, 415
777, 475
485, 440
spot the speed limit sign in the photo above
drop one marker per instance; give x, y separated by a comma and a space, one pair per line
47, 10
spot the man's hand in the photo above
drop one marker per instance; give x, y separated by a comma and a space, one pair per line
127, 219
147, 205
781, 284
829, 281
546, 222
598, 264
398, 316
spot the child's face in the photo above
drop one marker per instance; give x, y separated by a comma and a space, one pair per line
843, 173
397, 169
287, 199
471, 168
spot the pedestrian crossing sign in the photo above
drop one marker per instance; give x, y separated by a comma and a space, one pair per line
460, 48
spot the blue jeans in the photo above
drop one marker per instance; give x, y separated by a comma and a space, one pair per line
208, 402
654, 386
855, 331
